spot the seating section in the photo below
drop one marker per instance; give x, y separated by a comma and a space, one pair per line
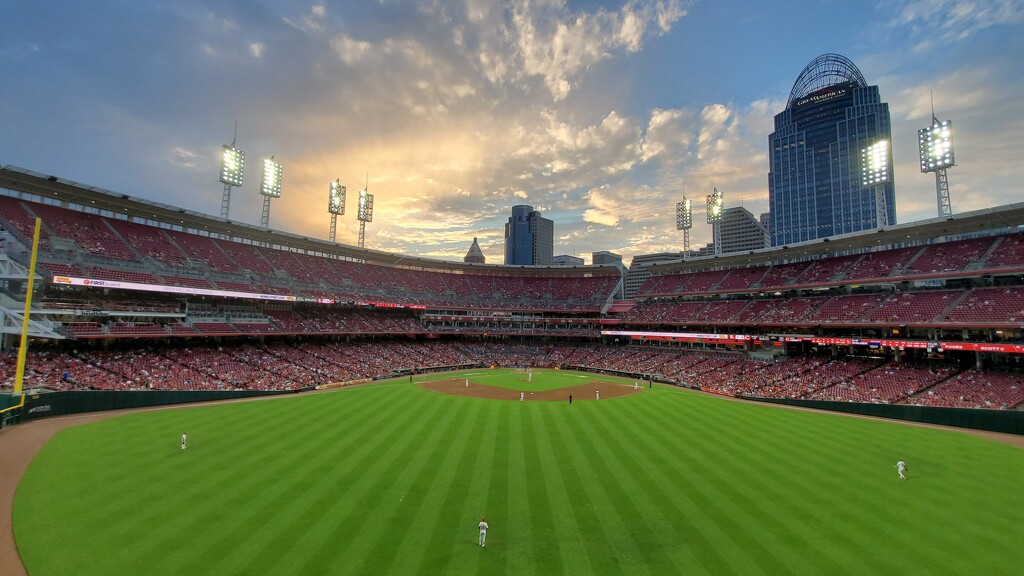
974, 389
914, 307
990, 306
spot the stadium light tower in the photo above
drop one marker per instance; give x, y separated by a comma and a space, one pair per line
716, 203
935, 144
335, 205
684, 221
270, 187
232, 168
875, 161
365, 212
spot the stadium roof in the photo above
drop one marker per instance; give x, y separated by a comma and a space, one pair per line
109, 203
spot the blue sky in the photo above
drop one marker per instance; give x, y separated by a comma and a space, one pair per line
600, 114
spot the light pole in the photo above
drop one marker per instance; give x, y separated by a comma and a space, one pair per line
270, 187
335, 205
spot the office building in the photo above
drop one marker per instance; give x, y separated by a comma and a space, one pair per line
741, 231
830, 156
605, 257
529, 238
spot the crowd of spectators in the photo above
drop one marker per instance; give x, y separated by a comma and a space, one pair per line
283, 365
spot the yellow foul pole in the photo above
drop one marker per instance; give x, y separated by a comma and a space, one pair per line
19, 377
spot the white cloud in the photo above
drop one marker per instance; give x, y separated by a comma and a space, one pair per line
938, 22
256, 49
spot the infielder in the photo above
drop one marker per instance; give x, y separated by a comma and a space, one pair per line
598, 394
467, 382
522, 396
483, 532
636, 385
901, 467
184, 441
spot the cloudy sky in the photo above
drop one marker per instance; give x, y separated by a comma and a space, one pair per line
601, 114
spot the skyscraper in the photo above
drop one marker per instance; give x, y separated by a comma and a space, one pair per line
834, 131
529, 238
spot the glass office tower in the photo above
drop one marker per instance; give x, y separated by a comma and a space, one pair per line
834, 131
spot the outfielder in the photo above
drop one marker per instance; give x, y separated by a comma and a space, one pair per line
483, 532
901, 467
184, 441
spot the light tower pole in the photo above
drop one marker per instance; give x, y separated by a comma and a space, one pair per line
232, 168
270, 187
875, 174
365, 212
935, 144
716, 203
684, 221
335, 205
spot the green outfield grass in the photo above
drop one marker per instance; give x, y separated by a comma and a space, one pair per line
391, 479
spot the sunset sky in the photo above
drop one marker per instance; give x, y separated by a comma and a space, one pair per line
600, 114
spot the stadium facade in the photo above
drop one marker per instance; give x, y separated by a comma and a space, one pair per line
819, 151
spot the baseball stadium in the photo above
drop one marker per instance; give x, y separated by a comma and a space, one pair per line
350, 411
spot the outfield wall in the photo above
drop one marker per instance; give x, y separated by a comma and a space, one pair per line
1007, 421
58, 403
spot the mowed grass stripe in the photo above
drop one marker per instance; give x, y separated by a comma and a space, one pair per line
716, 510
513, 536
353, 512
540, 532
592, 521
674, 507
118, 510
563, 494
229, 508
412, 489
649, 489
279, 511
435, 507
631, 538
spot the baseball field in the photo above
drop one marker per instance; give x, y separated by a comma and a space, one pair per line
393, 478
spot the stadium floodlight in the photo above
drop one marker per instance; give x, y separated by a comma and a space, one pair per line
716, 205
364, 214
716, 210
232, 169
684, 215
684, 221
232, 165
874, 164
935, 145
335, 205
875, 174
270, 185
336, 198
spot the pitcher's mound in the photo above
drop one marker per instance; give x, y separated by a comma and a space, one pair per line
457, 386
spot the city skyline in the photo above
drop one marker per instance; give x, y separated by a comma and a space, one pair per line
601, 115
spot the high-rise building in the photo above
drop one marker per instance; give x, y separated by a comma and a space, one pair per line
640, 269
741, 231
529, 238
475, 254
830, 156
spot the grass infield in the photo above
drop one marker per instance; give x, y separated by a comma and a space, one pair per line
392, 479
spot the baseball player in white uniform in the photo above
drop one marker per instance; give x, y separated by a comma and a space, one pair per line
483, 532
597, 393
184, 441
901, 467
522, 396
